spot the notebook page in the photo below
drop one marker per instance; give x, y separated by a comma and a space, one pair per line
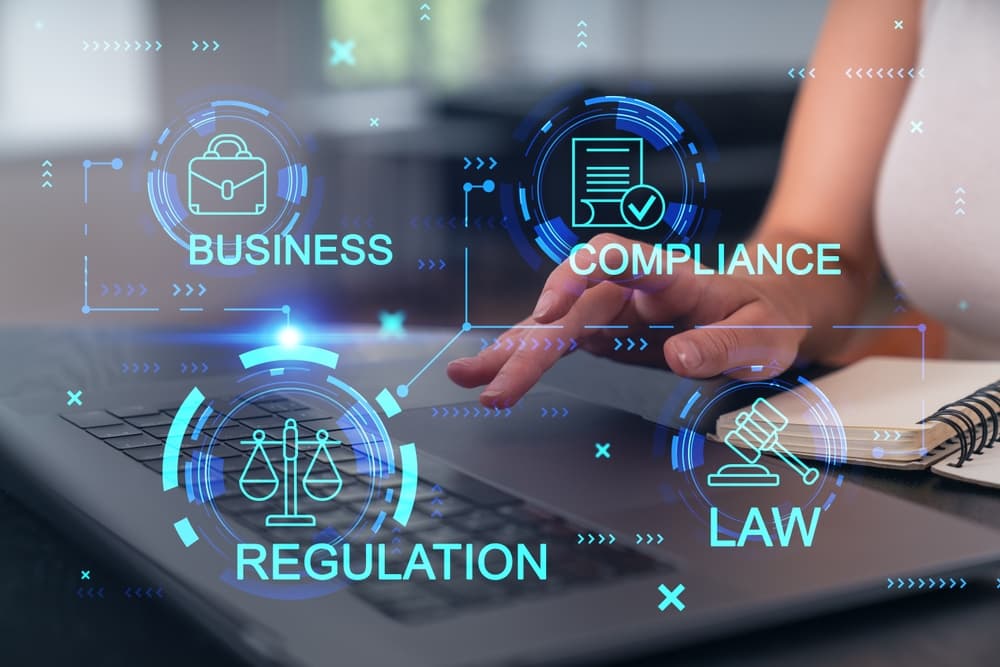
887, 393
983, 469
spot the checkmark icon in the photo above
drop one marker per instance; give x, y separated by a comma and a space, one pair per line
642, 207
640, 213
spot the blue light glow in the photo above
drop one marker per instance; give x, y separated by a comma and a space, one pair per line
289, 337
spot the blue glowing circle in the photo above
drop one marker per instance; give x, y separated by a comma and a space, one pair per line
685, 449
402, 391
116, 163
285, 196
303, 375
552, 231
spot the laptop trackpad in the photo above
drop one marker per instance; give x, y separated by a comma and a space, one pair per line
561, 452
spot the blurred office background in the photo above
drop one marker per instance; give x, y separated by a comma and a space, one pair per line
453, 85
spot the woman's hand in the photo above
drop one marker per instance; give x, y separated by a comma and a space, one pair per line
723, 323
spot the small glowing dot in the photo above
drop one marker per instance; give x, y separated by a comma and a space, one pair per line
290, 337
402, 391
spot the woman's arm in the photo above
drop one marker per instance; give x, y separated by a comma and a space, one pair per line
837, 136
825, 191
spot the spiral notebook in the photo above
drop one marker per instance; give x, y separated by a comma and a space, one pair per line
899, 413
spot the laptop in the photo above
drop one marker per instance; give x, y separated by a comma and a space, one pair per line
631, 566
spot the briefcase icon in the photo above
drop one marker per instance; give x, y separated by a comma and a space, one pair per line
227, 185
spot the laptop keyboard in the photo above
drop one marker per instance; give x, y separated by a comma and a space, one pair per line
450, 507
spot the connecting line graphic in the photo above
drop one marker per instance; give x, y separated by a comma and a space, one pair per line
403, 390
922, 328
115, 163
486, 186
286, 310
87, 308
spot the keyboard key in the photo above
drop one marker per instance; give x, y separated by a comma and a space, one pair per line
328, 423
145, 453
449, 506
146, 421
477, 521
91, 419
130, 441
249, 411
232, 432
116, 431
133, 411
270, 421
162, 431
304, 414
223, 451
279, 404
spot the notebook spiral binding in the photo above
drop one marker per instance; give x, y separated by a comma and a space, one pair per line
972, 436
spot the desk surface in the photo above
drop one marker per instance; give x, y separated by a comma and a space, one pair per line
45, 622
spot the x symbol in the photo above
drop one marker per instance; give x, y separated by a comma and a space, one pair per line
916, 127
392, 323
84, 574
373, 122
74, 397
898, 24
671, 597
603, 450
342, 52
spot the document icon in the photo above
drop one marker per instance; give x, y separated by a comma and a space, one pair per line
607, 175
227, 184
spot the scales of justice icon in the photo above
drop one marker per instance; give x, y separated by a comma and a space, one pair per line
321, 482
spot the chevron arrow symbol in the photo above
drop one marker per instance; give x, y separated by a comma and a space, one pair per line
590, 538
189, 289
177, 289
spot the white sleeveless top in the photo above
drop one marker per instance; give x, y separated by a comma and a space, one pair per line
938, 203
